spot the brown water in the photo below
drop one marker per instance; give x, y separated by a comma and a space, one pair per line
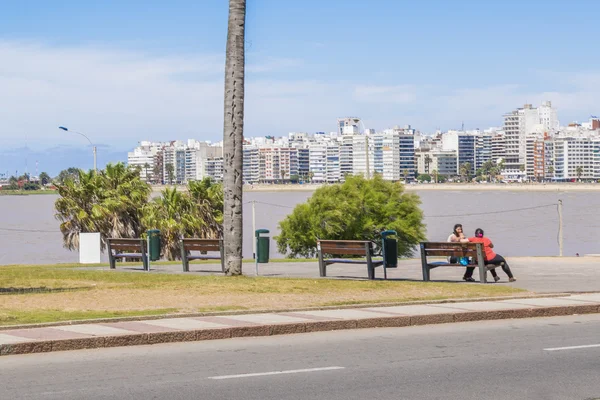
29, 232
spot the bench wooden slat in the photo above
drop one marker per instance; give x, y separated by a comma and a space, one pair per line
188, 245
126, 248
362, 248
453, 249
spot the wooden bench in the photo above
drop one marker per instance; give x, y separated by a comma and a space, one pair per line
203, 246
127, 248
453, 249
362, 248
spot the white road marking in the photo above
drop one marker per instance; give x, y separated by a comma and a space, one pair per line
291, 371
573, 347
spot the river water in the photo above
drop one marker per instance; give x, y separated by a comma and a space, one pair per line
519, 223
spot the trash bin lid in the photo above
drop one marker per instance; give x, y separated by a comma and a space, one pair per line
389, 232
259, 231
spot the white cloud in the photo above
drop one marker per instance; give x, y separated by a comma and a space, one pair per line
118, 97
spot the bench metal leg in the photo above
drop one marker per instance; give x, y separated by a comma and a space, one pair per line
370, 267
222, 251
481, 263
424, 266
322, 265
145, 262
111, 260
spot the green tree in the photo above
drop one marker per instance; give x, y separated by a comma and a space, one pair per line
170, 173
110, 202
551, 171
45, 178
157, 175
465, 171
71, 172
427, 162
197, 214
233, 137
358, 209
435, 175
424, 178
31, 186
579, 171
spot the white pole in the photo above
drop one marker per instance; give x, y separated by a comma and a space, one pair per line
147, 246
367, 153
95, 166
560, 229
254, 228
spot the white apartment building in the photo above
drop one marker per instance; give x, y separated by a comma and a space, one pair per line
145, 157
324, 162
520, 123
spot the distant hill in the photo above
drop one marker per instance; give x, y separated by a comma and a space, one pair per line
55, 159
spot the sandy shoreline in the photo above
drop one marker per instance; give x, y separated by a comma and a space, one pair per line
516, 187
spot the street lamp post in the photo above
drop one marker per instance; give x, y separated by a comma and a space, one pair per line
93, 147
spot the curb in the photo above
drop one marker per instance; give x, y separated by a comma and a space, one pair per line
269, 311
285, 329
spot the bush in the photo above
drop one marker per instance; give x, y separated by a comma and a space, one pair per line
358, 209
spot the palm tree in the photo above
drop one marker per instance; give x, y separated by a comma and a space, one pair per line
551, 171
435, 175
170, 173
77, 208
427, 162
146, 177
156, 173
110, 203
465, 170
579, 172
233, 137
178, 215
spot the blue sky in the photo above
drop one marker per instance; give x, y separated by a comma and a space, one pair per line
124, 71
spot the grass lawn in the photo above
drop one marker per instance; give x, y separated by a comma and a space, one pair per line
31, 294
26, 192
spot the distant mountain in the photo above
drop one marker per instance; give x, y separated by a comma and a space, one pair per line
17, 161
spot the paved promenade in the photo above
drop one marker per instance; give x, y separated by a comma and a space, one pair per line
536, 274
563, 286
165, 330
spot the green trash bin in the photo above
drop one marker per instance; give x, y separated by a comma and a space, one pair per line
390, 249
262, 246
154, 244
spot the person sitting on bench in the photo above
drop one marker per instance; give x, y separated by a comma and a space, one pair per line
458, 236
490, 256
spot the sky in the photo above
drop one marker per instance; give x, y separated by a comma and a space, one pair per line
125, 71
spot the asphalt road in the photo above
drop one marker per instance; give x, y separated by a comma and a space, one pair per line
507, 359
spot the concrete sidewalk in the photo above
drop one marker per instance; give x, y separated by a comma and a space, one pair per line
182, 329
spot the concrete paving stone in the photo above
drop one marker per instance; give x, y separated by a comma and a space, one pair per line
421, 310
46, 334
229, 322
544, 302
94, 330
9, 339
341, 314
483, 306
268, 318
591, 297
184, 323
139, 327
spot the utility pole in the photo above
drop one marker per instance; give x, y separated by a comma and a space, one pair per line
560, 229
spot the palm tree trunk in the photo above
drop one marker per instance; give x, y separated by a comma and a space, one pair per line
233, 136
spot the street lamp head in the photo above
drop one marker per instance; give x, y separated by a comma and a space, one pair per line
63, 128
